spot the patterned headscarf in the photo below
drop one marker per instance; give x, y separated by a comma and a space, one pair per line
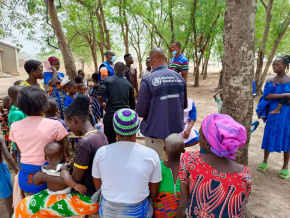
224, 134
126, 122
52, 59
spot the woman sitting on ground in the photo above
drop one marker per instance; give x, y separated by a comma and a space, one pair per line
213, 185
72, 204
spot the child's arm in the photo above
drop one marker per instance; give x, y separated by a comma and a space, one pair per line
69, 180
214, 96
7, 156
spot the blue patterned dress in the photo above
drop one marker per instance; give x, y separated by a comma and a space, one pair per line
277, 130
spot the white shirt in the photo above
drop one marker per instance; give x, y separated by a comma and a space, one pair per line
126, 168
145, 73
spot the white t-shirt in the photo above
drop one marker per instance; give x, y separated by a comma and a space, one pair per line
126, 168
145, 73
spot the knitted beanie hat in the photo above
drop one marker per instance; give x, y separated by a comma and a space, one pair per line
126, 122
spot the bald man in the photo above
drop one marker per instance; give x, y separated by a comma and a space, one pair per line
107, 68
120, 94
161, 102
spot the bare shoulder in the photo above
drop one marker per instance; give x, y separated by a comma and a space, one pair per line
270, 80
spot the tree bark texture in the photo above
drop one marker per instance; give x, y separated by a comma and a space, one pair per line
262, 48
69, 63
238, 65
124, 24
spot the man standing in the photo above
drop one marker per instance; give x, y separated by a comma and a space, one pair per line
107, 68
120, 94
131, 73
178, 60
148, 70
162, 99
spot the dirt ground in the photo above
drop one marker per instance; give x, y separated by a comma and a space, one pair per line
270, 197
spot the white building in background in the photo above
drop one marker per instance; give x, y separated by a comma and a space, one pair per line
8, 60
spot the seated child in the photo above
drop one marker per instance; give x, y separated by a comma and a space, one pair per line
219, 101
178, 69
82, 89
190, 134
53, 113
72, 93
5, 178
282, 102
54, 154
165, 205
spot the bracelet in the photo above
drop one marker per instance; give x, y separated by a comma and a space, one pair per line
76, 186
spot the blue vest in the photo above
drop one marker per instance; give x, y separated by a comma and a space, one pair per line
109, 68
168, 98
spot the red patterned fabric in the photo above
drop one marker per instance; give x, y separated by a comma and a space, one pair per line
214, 193
52, 59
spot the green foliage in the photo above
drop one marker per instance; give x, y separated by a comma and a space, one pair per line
151, 23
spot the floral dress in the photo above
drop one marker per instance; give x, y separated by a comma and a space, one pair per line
213, 193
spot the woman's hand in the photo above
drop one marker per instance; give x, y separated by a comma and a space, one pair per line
186, 133
38, 178
53, 69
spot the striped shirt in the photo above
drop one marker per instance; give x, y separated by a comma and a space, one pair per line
180, 61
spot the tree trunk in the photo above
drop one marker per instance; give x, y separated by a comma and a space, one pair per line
124, 24
272, 54
170, 7
69, 63
94, 45
220, 85
196, 76
262, 48
238, 62
204, 67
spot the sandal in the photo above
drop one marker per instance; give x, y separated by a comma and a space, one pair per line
262, 167
284, 174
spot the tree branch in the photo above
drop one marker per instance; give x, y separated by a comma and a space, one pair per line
263, 4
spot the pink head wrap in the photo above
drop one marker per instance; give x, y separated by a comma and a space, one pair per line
224, 134
52, 59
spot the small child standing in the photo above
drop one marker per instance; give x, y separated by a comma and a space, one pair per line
5, 177
79, 79
4, 119
72, 93
53, 113
97, 110
15, 114
82, 89
55, 156
165, 205
178, 69
219, 100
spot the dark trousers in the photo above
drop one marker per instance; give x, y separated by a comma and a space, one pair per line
108, 128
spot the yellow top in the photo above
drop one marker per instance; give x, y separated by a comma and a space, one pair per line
25, 83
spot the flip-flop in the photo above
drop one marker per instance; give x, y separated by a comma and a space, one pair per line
254, 125
262, 167
284, 174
